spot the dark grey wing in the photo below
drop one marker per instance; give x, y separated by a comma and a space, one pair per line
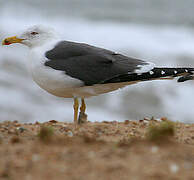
67, 49
90, 64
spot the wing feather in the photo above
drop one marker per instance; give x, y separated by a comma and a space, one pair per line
90, 64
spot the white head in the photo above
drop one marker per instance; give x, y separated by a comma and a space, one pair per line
34, 36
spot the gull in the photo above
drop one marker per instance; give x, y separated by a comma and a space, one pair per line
78, 70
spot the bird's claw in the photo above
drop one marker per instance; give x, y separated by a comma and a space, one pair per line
82, 118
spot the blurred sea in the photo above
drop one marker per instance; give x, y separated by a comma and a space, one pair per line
157, 31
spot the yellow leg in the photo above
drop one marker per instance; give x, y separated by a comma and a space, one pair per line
76, 106
83, 106
82, 115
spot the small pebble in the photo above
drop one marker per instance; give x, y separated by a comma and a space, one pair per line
53, 121
70, 134
82, 129
146, 119
91, 154
35, 157
106, 122
188, 165
174, 168
163, 119
15, 139
134, 123
131, 134
21, 129
126, 122
154, 149
64, 125
11, 131
187, 125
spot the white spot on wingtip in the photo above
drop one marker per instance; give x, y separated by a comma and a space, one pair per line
175, 72
162, 72
151, 72
144, 68
186, 70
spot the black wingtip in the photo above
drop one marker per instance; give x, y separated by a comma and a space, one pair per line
185, 78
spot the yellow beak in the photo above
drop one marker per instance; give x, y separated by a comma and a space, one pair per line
11, 40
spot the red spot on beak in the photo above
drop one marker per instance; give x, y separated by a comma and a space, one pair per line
7, 43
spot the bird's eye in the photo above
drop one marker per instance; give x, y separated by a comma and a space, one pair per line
33, 33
